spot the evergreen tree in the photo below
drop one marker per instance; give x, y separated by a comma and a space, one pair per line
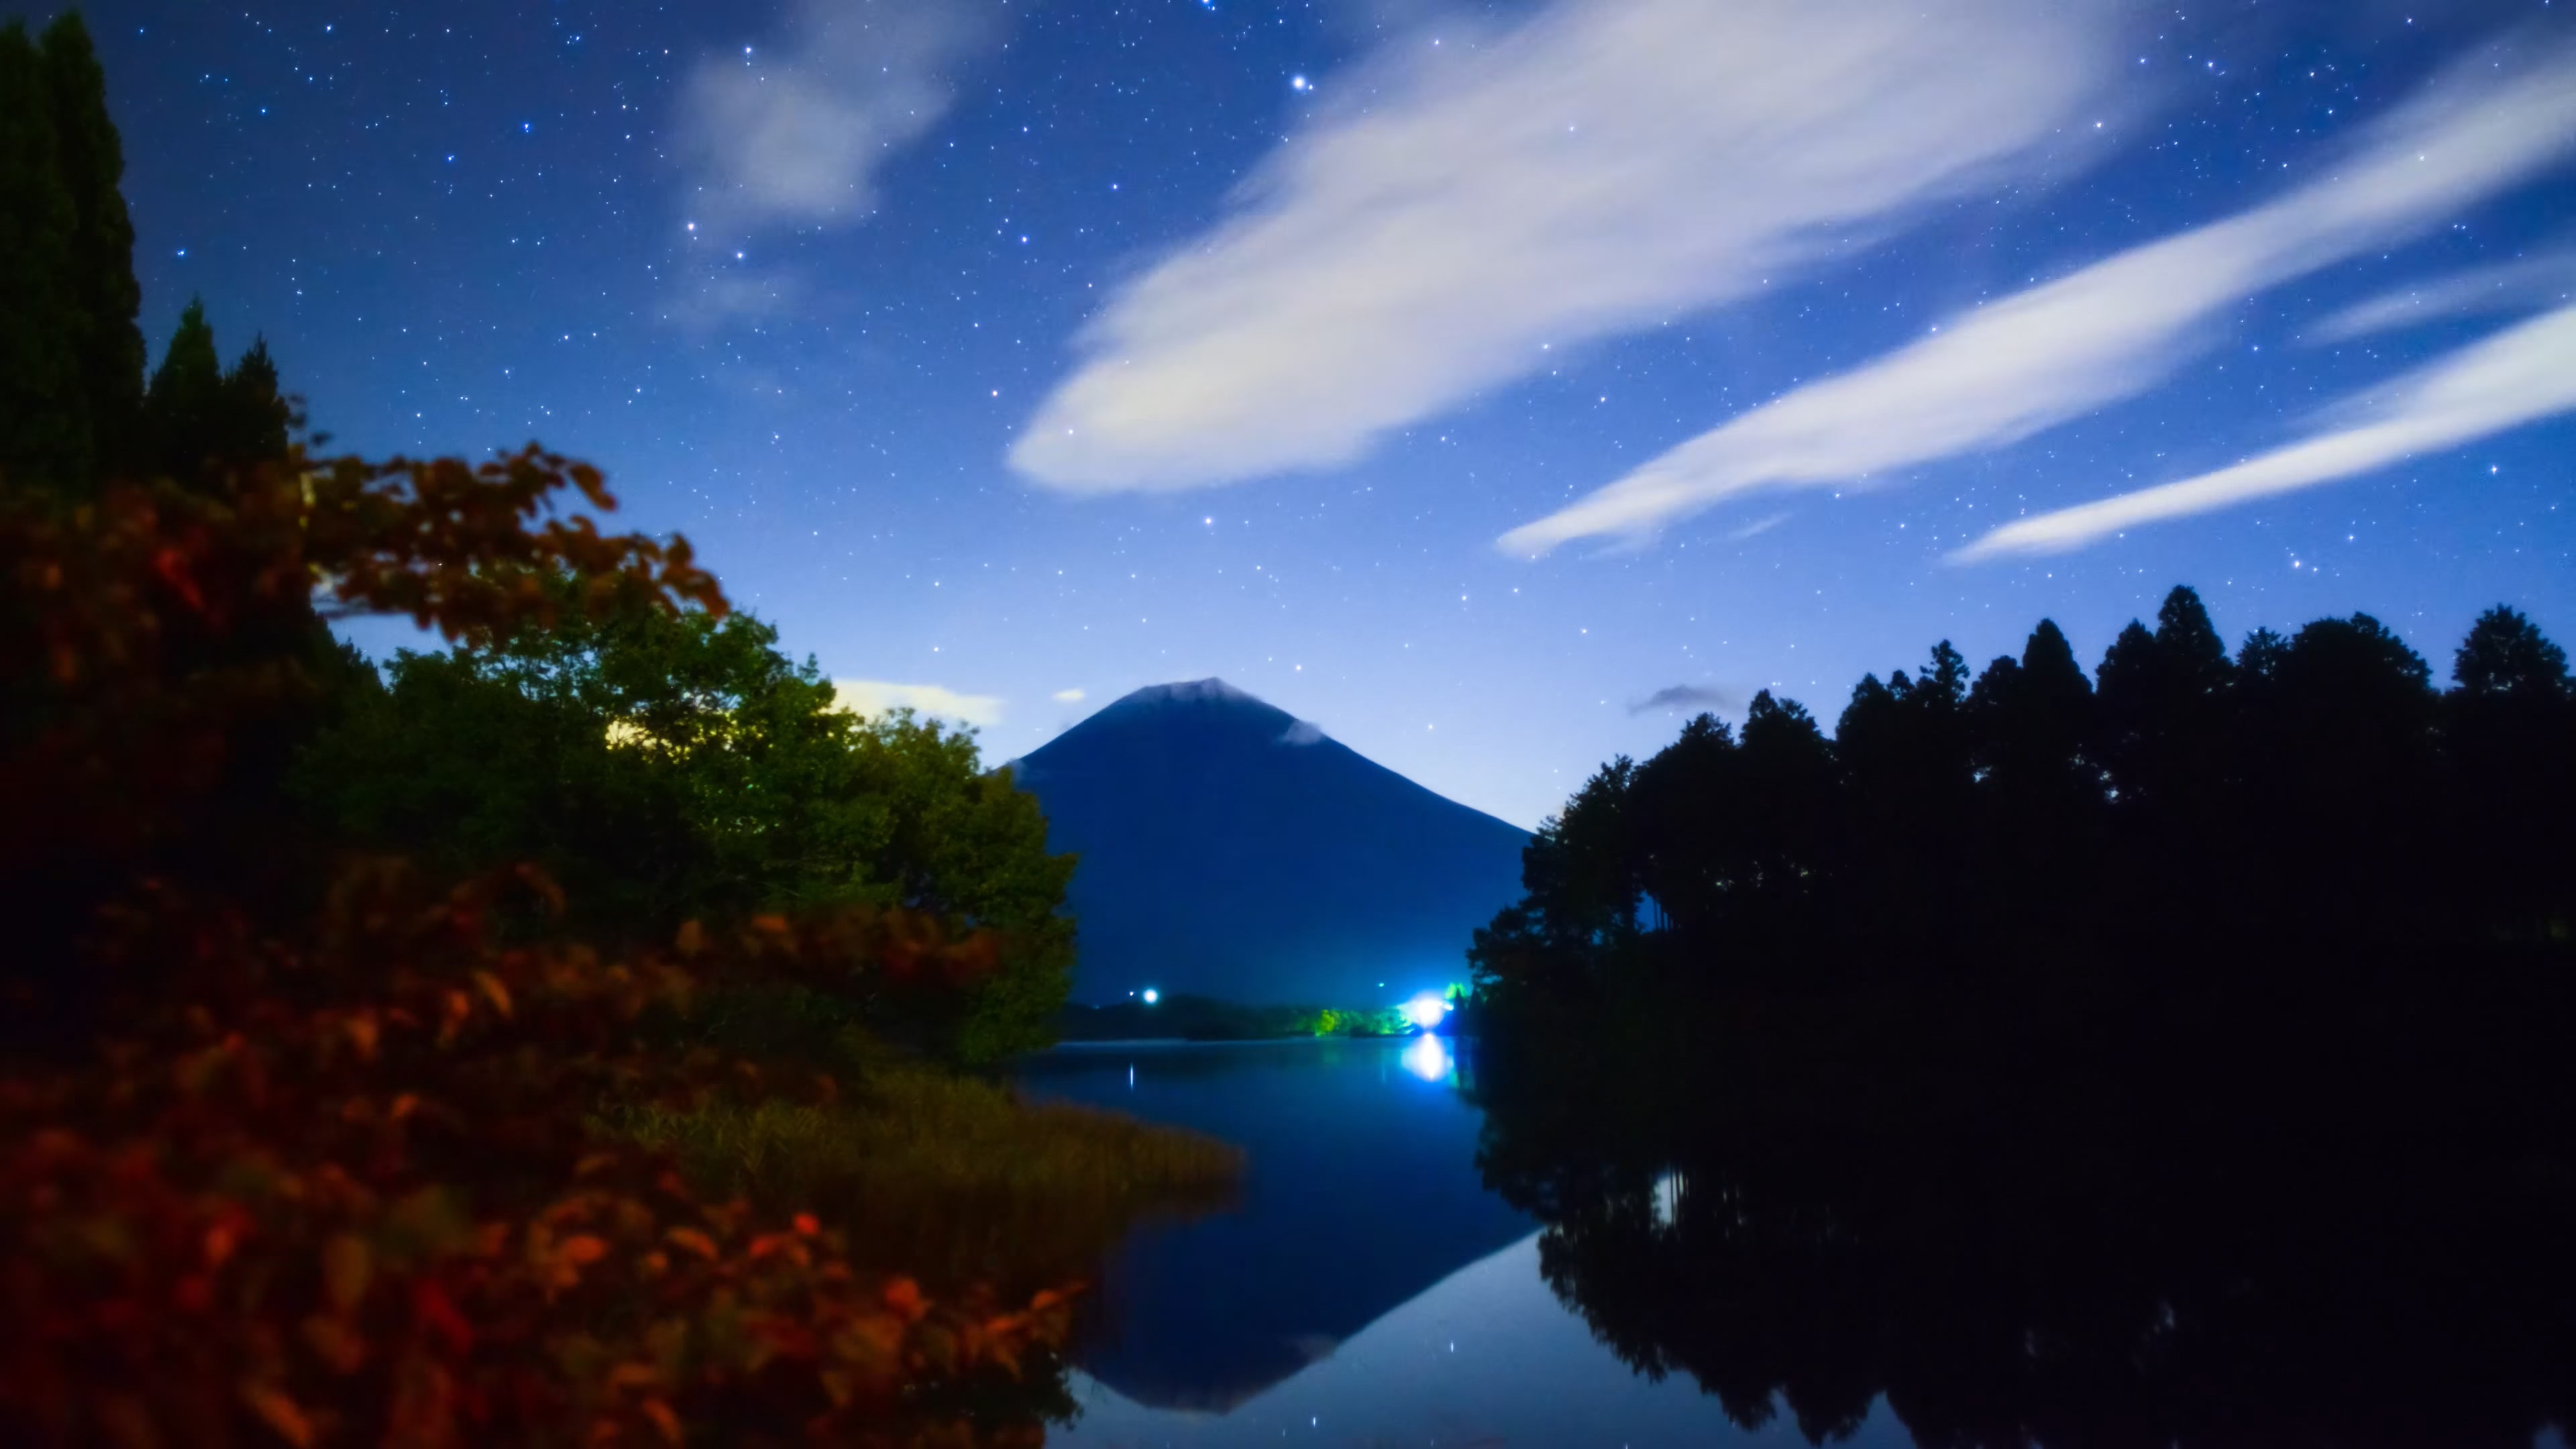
1687, 817
2509, 720
1785, 857
197, 414
99, 279
2189, 643
256, 416
187, 395
45, 439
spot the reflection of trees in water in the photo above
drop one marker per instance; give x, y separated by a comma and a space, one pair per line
2197, 1268
2173, 1055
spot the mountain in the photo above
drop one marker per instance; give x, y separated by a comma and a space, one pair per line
1232, 850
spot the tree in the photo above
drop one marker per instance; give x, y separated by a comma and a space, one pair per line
1785, 853
677, 767
197, 414
45, 438
1580, 869
1908, 768
1687, 800
71, 359
2040, 792
2505, 656
333, 1172
108, 347
2508, 718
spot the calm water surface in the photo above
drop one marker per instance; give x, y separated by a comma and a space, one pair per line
1369, 1290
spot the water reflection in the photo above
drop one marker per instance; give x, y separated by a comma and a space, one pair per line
2204, 1268
1427, 1057
1659, 1260
1487, 1356
1362, 1193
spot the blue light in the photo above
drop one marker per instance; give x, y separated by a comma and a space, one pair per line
1152, 996
1426, 1011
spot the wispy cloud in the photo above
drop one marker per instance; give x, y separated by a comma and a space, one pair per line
1067, 696
1686, 696
2108, 332
792, 132
2516, 286
872, 697
2516, 377
1606, 165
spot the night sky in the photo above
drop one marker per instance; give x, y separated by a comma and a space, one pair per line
1491, 384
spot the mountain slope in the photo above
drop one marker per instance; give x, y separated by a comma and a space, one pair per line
1230, 849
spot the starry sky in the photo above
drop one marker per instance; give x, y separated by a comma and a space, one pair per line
1492, 383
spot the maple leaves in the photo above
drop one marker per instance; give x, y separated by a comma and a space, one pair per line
347, 1194
332, 1177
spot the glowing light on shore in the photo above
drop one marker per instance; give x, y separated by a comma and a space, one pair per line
1426, 1011
1152, 996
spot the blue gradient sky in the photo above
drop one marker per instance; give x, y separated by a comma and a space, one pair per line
466, 225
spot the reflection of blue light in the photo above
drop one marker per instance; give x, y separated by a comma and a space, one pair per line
1426, 1011
1426, 1057
1152, 996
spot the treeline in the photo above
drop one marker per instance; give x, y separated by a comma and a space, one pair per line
2168, 1055
1185, 1017
2310, 803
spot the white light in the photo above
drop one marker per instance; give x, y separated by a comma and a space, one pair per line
1427, 1058
1152, 996
1426, 1011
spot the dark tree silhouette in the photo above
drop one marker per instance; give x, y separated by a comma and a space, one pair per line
71, 360
196, 413
2311, 805
2174, 1063
2508, 721
107, 348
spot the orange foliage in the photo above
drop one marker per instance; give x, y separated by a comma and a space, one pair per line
331, 1182
143, 634
346, 1194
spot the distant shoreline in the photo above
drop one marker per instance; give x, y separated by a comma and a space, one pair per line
1225, 1041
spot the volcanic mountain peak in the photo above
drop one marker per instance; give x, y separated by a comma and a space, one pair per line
1194, 691
1230, 849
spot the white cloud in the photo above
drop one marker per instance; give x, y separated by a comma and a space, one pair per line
2506, 287
792, 132
2108, 332
872, 697
1067, 696
1500, 198
2519, 376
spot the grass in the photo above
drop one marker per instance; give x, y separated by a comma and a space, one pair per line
952, 1178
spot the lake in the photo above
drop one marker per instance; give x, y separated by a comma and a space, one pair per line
1368, 1290
1372, 1288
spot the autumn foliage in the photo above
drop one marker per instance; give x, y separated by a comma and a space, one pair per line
323, 1168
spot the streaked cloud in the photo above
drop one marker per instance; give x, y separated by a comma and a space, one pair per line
1500, 199
2516, 286
873, 697
1067, 696
791, 131
2519, 376
1686, 697
2109, 332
